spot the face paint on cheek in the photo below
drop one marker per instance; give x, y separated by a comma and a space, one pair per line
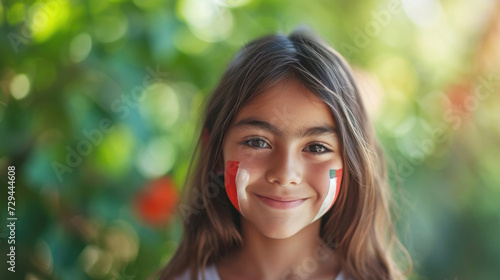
242, 178
335, 176
236, 180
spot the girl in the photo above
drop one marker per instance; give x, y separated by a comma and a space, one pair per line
290, 181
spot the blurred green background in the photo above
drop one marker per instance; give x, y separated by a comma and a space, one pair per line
99, 107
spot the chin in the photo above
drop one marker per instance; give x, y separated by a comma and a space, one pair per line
279, 233
278, 224
278, 230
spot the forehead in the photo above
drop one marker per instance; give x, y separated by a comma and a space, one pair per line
288, 106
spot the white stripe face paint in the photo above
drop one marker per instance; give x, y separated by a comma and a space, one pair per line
241, 179
330, 196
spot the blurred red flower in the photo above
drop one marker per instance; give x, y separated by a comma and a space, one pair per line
156, 203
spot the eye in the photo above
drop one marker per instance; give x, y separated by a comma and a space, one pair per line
256, 143
318, 149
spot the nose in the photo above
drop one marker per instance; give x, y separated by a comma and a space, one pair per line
286, 169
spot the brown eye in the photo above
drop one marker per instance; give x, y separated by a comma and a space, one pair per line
318, 149
256, 143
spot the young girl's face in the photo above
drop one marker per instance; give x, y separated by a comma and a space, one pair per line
281, 151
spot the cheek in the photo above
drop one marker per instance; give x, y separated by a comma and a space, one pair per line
327, 187
319, 180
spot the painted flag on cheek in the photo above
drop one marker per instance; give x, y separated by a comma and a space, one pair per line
335, 176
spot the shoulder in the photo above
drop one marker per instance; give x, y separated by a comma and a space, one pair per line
210, 274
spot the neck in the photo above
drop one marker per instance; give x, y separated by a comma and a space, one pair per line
303, 254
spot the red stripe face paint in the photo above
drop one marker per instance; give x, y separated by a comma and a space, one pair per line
230, 182
236, 180
335, 176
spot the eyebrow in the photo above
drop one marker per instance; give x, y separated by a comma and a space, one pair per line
305, 132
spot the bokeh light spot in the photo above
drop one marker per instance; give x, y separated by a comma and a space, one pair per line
157, 158
231, 3
42, 257
206, 20
110, 27
161, 105
423, 13
122, 241
20, 86
96, 262
80, 47
115, 153
46, 17
186, 42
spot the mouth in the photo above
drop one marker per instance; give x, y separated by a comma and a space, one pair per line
281, 202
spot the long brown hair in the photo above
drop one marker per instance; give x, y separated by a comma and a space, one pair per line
359, 225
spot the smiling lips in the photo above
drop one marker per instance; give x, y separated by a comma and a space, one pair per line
281, 203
